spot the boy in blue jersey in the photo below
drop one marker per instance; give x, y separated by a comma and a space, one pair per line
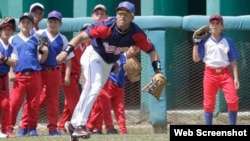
37, 11
218, 52
26, 77
112, 97
7, 60
109, 39
51, 69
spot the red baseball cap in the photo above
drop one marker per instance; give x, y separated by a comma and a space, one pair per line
216, 17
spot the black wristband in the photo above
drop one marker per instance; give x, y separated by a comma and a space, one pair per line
69, 49
156, 66
195, 43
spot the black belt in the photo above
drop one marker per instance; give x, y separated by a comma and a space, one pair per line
3, 75
50, 68
27, 73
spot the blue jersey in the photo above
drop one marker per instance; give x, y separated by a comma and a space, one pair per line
119, 77
110, 43
27, 53
57, 44
4, 68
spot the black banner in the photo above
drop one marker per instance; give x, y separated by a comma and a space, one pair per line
241, 132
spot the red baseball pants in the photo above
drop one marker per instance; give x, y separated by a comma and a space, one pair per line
29, 87
71, 95
4, 102
213, 80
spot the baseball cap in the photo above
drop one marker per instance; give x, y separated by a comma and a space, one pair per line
216, 17
100, 6
8, 22
36, 5
55, 14
27, 15
127, 5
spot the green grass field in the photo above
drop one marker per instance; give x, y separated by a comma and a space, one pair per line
129, 137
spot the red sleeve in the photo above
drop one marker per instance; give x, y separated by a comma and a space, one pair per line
143, 42
100, 32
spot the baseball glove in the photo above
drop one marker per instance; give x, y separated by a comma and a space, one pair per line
201, 34
156, 85
42, 41
133, 69
132, 51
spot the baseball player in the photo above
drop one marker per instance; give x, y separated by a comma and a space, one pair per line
51, 69
7, 60
37, 11
218, 52
112, 97
109, 39
71, 91
95, 119
26, 77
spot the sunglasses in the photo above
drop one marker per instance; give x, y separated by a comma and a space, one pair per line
125, 13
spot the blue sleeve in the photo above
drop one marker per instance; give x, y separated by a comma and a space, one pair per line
201, 50
232, 54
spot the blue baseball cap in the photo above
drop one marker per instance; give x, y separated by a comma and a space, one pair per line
127, 5
55, 14
27, 15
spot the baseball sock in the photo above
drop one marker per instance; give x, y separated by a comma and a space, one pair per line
232, 117
208, 118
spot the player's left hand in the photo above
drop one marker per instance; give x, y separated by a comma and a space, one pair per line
60, 58
236, 84
12, 76
67, 81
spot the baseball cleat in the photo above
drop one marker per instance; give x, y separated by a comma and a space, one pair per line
70, 129
81, 132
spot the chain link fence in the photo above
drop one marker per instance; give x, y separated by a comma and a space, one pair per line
184, 94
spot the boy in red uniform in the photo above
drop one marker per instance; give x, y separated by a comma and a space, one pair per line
7, 60
219, 53
51, 73
26, 77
